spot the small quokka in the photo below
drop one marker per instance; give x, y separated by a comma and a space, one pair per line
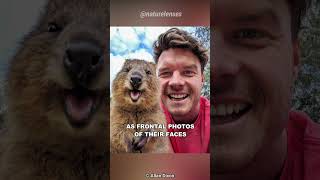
135, 100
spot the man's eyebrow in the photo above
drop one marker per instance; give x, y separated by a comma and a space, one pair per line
193, 66
266, 13
164, 69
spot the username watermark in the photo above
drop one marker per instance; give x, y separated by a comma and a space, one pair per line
160, 14
159, 175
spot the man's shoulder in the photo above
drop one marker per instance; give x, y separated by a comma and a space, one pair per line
204, 102
205, 106
303, 146
303, 127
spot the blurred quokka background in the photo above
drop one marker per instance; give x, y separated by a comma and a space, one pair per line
55, 102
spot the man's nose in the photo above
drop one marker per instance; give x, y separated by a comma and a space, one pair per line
226, 64
176, 80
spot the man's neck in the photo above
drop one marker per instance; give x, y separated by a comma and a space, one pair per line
185, 119
267, 165
189, 118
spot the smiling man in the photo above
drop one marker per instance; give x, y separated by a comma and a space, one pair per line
180, 64
256, 57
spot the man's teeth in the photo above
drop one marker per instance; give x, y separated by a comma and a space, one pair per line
228, 109
178, 96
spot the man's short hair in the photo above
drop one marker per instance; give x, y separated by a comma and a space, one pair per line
298, 9
177, 38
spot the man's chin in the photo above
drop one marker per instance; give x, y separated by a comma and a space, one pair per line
226, 160
228, 165
178, 112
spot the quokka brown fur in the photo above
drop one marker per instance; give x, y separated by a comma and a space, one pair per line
56, 121
135, 100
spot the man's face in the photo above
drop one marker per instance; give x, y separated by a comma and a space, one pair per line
181, 80
254, 61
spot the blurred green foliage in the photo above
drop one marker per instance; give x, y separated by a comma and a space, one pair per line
203, 34
306, 95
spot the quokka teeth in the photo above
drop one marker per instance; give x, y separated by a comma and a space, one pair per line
224, 109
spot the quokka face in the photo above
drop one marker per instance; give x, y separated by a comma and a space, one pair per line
136, 85
58, 80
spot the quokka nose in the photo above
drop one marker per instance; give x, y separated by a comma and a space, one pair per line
136, 80
83, 60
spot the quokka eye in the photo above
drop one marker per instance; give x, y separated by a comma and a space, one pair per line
148, 72
126, 69
53, 27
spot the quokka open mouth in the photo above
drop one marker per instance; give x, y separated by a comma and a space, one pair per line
135, 95
79, 105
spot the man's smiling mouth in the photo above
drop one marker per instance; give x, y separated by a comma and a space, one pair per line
178, 97
226, 113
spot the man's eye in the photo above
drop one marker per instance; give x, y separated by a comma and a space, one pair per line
251, 38
249, 34
188, 73
165, 74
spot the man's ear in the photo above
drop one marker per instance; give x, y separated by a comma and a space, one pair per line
296, 58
